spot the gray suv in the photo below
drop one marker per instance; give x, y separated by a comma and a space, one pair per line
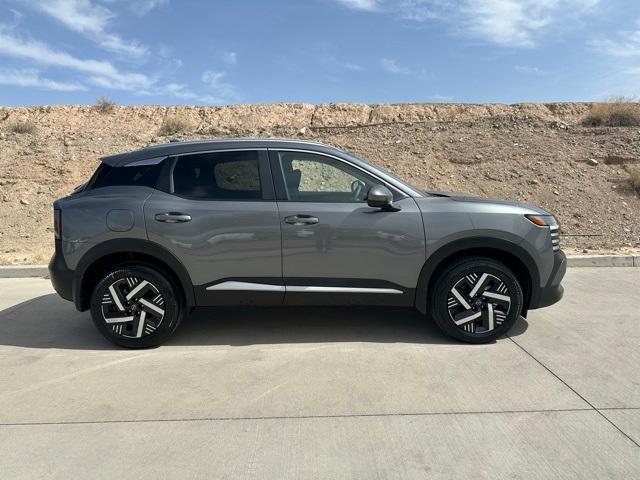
159, 231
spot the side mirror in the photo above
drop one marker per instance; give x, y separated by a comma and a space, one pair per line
381, 197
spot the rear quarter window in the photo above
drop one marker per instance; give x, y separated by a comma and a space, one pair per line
108, 176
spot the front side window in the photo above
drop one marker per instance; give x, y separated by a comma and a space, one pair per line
218, 176
311, 177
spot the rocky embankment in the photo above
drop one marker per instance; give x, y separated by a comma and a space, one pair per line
538, 153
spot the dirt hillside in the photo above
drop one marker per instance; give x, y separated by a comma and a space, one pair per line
538, 153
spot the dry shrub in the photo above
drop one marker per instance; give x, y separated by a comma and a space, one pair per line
23, 126
173, 125
617, 112
104, 105
634, 176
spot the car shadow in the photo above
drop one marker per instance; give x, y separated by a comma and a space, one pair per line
50, 322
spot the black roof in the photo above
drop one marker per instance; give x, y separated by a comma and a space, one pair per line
177, 148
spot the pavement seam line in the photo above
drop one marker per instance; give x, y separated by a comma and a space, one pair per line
296, 417
77, 373
575, 391
619, 408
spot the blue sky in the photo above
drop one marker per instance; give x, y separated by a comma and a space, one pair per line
251, 51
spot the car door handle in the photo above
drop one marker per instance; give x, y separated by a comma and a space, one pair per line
301, 220
173, 217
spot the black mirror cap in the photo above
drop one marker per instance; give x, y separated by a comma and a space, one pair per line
380, 196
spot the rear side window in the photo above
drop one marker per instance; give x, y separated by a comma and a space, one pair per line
108, 176
218, 176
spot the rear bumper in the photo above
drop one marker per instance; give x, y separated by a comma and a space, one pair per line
61, 275
553, 291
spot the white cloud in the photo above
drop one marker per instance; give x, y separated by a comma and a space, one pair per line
511, 23
528, 69
142, 7
130, 82
421, 10
184, 93
101, 72
91, 20
219, 89
230, 58
366, 5
508, 22
626, 43
516, 23
32, 78
391, 66
441, 98
621, 53
354, 67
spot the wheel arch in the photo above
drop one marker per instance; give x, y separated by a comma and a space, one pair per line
511, 254
103, 256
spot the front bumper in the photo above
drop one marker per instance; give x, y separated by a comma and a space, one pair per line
553, 291
61, 275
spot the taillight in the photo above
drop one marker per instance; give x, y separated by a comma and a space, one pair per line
57, 223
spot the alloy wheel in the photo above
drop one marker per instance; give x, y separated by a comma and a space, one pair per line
132, 307
479, 302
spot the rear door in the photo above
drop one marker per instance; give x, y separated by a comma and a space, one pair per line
335, 248
220, 218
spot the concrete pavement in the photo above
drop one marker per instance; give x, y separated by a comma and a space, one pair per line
324, 393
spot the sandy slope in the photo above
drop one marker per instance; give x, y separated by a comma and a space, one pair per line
531, 152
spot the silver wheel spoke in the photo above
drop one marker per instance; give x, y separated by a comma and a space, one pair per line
479, 303
143, 316
115, 295
478, 284
132, 307
137, 290
150, 307
497, 296
460, 298
466, 317
489, 317
119, 319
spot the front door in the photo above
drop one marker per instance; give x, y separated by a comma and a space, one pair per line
335, 248
221, 220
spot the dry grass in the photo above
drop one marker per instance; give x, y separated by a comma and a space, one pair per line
617, 112
634, 176
173, 125
23, 126
30, 255
104, 105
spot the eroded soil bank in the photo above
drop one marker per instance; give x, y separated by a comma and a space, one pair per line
538, 153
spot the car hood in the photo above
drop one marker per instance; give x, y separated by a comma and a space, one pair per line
467, 197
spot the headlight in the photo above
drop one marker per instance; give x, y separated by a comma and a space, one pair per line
552, 223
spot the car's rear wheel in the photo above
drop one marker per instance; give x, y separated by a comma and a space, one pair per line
136, 306
476, 299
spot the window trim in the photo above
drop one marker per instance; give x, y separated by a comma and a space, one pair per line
266, 181
281, 189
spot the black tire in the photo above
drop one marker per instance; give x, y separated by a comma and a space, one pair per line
489, 315
155, 293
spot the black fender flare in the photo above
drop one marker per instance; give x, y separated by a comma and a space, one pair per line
131, 245
465, 245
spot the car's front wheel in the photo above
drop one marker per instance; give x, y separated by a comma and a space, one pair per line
136, 306
476, 299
